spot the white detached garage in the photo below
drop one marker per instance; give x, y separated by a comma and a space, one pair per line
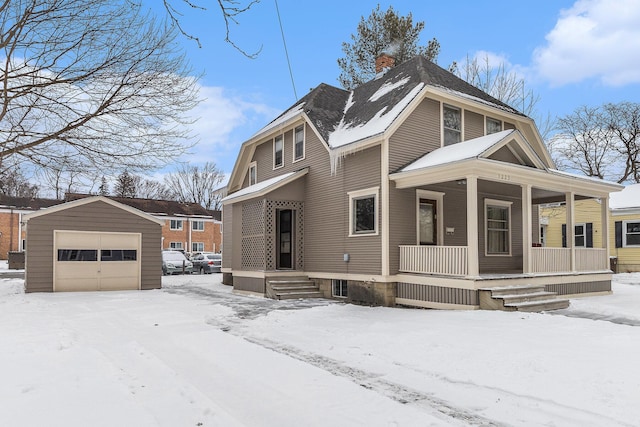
92, 244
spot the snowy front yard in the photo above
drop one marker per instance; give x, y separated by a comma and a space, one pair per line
194, 354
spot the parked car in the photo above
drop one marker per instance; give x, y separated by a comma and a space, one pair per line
174, 262
207, 262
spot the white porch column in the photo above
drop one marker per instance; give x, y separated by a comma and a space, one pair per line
527, 231
604, 211
571, 230
472, 226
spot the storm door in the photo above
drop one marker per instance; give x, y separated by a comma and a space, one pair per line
427, 222
284, 238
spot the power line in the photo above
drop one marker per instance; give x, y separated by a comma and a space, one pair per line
286, 52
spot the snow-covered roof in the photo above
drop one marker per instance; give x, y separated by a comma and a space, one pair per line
282, 118
472, 148
265, 186
629, 197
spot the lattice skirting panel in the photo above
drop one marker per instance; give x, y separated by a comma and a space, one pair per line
253, 235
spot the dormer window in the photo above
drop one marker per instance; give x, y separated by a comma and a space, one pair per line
493, 126
452, 125
253, 173
278, 152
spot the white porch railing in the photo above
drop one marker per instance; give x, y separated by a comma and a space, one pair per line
452, 260
558, 260
550, 260
445, 260
591, 259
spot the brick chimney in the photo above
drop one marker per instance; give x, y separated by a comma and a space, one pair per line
384, 61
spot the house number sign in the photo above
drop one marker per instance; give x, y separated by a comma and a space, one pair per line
504, 177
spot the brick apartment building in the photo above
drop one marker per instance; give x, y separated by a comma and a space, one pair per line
187, 226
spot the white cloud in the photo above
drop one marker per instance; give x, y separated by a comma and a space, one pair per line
593, 39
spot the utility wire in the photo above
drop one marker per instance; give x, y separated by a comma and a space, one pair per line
286, 52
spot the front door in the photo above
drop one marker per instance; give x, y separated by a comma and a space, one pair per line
284, 231
427, 222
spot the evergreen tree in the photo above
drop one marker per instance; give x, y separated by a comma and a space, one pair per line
382, 32
103, 190
125, 185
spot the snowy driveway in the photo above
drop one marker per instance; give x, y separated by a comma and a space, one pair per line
195, 354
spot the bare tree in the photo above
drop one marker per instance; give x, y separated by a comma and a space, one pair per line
126, 185
150, 189
13, 183
230, 10
96, 81
196, 184
600, 141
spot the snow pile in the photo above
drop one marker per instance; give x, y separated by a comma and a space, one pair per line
194, 354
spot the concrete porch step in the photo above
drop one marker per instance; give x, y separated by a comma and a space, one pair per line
541, 305
531, 298
292, 288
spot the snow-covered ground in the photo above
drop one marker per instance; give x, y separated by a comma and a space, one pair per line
195, 354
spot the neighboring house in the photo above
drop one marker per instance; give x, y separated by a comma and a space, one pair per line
12, 230
623, 221
415, 188
187, 226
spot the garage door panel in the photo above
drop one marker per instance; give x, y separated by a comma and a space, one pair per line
77, 240
117, 264
120, 241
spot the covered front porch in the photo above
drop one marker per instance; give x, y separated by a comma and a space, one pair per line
477, 225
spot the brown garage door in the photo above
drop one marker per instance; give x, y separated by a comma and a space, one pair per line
96, 261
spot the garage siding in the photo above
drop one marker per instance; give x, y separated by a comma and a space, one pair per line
97, 216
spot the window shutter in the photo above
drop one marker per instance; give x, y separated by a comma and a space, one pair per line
589, 234
618, 234
564, 235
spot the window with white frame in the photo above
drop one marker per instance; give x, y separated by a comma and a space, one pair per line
253, 173
497, 227
197, 225
197, 247
493, 125
363, 211
452, 124
175, 224
339, 288
580, 231
631, 233
278, 151
298, 143
175, 245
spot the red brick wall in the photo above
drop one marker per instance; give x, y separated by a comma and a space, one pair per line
10, 229
211, 236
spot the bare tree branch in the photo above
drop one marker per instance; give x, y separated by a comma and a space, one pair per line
196, 184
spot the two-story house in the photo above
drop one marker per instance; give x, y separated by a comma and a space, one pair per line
415, 188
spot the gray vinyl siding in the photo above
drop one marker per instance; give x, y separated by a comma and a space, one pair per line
227, 236
402, 224
509, 193
96, 216
507, 125
473, 125
249, 284
505, 155
418, 135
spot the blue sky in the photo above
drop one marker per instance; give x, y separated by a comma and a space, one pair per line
571, 53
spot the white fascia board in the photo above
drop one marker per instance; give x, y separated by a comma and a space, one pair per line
261, 191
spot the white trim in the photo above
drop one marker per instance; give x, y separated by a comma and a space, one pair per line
304, 144
438, 197
281, 136
174, 247
361, 194
176, 220
197, 221
332, 288
502, 204
584, 234
624, 233
253, 165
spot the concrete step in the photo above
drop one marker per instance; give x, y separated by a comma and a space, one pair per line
298, 295
295, 287
542, 305
534, 296
514, 290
